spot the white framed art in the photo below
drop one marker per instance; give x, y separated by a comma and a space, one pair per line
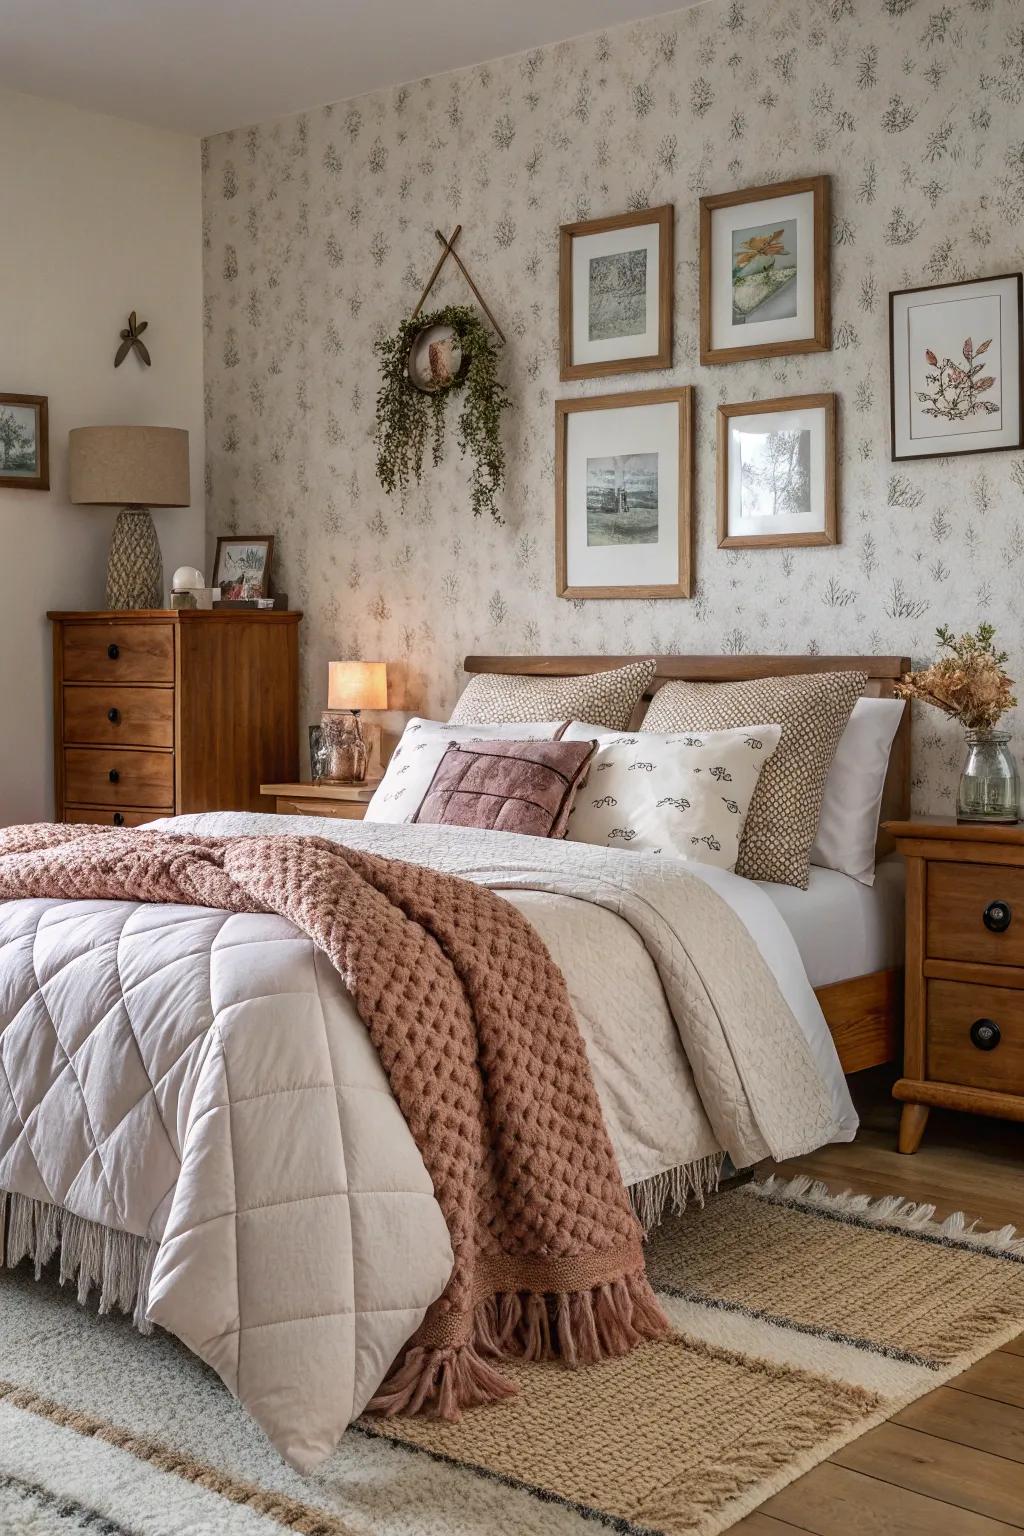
616, 293
764, 271
956, 367
777, 473
624, 495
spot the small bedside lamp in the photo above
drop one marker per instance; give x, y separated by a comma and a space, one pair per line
351, 686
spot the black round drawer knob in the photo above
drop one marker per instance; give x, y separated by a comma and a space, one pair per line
997, 916
113, 651
985, 1034
113, 715
118, 819
114, 776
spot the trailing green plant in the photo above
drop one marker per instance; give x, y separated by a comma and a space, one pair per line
407, 417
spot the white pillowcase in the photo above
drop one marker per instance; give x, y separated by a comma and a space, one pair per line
685, 793
852, 801
415, 760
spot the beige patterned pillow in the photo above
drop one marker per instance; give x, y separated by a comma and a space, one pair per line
600, 698
812, 709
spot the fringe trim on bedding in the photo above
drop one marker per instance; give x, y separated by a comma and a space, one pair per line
119, 1263
576, 1327
652, 1198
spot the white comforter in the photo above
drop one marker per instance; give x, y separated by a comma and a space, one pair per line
157, 1062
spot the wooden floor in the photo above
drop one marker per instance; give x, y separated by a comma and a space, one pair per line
952, 1464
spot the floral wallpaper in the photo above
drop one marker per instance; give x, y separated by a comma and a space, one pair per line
319, 235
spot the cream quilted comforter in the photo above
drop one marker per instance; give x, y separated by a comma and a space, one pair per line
154, 1062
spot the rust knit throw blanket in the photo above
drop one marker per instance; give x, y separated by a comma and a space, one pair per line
475, 1029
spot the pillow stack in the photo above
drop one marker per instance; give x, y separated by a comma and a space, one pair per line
601, 698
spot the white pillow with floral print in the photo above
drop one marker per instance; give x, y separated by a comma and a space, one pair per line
417, 757
685, 793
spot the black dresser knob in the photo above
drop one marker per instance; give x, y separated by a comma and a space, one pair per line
997, 916
118, 819
985, 1034
113, 652
113, 715
113, 776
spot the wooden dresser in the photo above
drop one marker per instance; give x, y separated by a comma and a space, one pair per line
964, 1028
159, 712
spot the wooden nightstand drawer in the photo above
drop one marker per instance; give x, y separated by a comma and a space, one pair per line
119, 653
996, 1015
94, 776
103, 816
975, 912
119, 717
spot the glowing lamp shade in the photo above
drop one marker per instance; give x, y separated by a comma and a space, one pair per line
357, 685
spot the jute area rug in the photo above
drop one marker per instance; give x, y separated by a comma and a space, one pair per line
803, 1320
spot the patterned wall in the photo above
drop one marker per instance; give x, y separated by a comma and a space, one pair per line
319, 237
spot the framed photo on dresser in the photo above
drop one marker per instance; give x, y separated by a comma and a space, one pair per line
615, 294
764, 271
956, 368
624, 495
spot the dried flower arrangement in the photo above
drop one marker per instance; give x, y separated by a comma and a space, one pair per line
970, 683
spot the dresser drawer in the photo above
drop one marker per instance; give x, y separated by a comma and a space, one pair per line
118, 653
94, 776
340, 810
103, 816
122, 717
952, 1055
976, 912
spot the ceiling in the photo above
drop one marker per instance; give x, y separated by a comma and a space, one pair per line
202, 66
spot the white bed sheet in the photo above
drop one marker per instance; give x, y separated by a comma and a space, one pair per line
841, 927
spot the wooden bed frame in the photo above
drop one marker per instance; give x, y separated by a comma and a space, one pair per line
864, 1013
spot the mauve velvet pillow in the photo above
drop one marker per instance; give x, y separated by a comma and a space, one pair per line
509, 786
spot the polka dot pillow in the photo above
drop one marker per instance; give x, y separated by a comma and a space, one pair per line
685, 793
605, 698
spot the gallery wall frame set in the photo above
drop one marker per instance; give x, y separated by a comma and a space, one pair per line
956, 368
777, 473
616, 293
24, 442
624, 473
765, 271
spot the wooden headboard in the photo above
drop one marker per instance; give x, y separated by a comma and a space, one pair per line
882, 672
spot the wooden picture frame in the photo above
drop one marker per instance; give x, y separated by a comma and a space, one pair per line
678, 538
40, 408
1011, 376
264, 540
659, 354
813, 314
829, 531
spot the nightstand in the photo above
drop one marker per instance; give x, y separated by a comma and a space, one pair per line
347, 801
964, 1027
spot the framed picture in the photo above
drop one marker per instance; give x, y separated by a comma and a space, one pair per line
777, 473
24, 442
616, 294
955, 367
241, 569
764, 272
624, 495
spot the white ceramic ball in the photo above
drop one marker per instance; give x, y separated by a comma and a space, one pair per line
186, 578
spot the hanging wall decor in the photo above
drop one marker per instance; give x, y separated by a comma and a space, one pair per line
616, 293
777, 473
429, 358
131, 341
24, 442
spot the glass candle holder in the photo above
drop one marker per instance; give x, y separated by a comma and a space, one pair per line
344, 747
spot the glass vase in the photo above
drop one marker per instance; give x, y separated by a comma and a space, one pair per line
989, 785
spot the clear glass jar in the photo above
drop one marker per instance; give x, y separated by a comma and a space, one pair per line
344, 747
989, 786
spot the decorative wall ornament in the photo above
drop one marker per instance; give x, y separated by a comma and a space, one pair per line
131, 341
956, 368
777, 473
764, 271
616, 293
624, 495
25, 442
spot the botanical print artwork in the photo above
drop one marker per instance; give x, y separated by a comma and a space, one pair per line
955, 392
764, 273
775, 469
617, 295
19, 441
241, 571
622, 499
956, 374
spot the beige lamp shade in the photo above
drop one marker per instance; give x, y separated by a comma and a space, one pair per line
129, 466
357, 685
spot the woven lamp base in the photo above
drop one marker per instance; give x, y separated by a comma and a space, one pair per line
135, 570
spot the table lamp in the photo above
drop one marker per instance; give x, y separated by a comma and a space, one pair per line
133, 468
352, 686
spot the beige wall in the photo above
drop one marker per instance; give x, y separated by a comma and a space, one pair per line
99, 217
